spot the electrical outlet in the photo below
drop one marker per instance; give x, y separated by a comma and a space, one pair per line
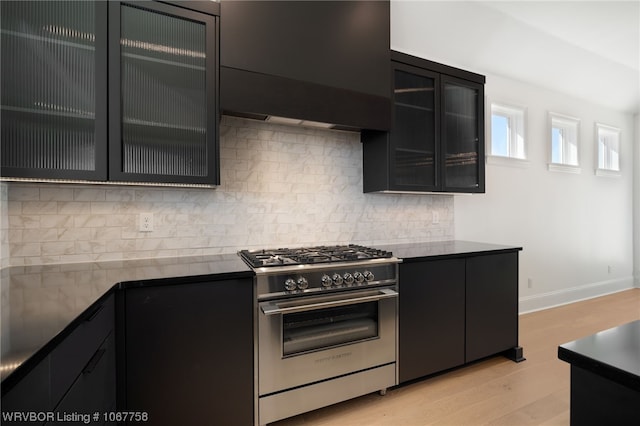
530, 282
435, 217
609, 269
146, 222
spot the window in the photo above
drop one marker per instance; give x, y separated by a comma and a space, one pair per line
565, 139
507, 131
608, 148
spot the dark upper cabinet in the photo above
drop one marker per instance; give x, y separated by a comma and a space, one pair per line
324, 61
163, 83
436, 143
156, 123
462, 138
407, 157
53, 73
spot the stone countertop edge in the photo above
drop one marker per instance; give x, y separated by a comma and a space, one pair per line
613, 354
416, 252
145, 275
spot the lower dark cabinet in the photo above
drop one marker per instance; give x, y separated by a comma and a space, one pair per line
189, 353
30, 395
597, 400
77, 376
70, 358
94, 391
455, 311
431, 321
491, 305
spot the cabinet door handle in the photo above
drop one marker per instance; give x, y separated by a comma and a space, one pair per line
95, 359
95, 313
271, 308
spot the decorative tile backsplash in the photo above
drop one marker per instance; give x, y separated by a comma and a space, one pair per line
281, 186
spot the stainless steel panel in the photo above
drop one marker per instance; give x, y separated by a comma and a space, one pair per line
310, 304
307, 398
270, 281
277, 372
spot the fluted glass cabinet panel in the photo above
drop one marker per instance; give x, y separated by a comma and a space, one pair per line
461, 130
436, 143
167, 119
52, 124
415, 130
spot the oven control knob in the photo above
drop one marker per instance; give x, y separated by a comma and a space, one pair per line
358, 277
303, 283
326, 281
337, 279
368, 275
348, 278
290, 284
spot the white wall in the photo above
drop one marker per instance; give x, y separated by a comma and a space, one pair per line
636, 200
576, 229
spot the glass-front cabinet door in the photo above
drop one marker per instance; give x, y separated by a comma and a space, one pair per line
53, 68
163, 114
414, 137
462, 135
436, 143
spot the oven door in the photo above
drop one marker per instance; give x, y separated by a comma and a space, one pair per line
309, 339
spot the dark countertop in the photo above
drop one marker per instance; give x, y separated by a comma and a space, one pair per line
40, 302
411, 252
613, 354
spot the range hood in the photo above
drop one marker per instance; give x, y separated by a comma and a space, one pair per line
274, 119
281, 100
314, 61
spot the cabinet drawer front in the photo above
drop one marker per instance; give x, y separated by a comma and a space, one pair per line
31, 394
72, 355
95, 388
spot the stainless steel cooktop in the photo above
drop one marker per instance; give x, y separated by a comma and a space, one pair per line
311, 255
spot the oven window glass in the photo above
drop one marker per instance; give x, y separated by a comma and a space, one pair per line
325, 328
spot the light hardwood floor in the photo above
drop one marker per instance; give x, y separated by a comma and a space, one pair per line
495, 391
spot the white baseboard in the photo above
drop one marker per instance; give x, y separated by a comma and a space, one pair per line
552, 299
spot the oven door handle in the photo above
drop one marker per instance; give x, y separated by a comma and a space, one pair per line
273, 308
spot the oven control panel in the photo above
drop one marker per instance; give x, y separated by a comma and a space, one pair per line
347, 279
329, 279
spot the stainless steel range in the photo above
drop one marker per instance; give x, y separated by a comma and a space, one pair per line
326, 326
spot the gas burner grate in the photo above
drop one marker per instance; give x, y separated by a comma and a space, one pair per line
311, 255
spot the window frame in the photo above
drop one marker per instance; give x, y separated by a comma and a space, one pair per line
517, 114
606, 171
567, 123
